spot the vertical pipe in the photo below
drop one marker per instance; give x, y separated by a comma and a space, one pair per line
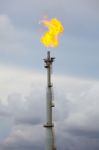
49, 70
49, 108
49, 125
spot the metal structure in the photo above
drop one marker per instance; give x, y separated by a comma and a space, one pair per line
50, 141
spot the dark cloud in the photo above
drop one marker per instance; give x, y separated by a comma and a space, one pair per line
28, 121
85, 133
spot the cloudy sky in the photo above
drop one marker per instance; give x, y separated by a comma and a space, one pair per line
75, 74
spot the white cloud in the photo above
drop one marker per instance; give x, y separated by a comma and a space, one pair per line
76, 111
14, 80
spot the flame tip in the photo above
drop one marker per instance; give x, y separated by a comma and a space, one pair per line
50, 37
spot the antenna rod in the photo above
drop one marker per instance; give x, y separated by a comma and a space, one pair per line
50, 145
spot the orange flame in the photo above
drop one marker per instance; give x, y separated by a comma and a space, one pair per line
50, 37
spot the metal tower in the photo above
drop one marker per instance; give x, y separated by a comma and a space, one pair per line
50, 141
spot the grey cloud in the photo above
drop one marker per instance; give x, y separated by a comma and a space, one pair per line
4, 111
22, 145
25, 111
22, 112
5, 114
24, 138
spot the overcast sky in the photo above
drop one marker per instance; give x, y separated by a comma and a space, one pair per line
75, 79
